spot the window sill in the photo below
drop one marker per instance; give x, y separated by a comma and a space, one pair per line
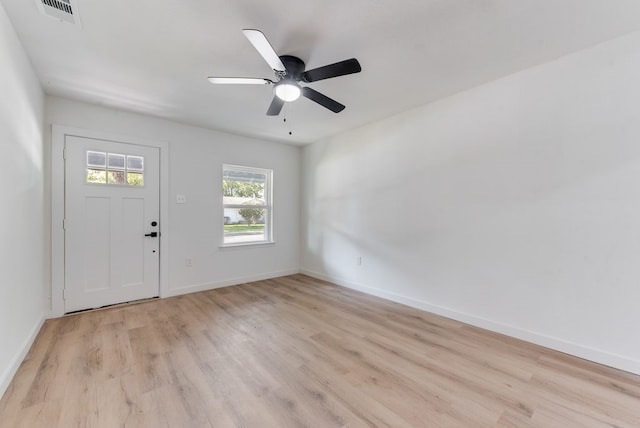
247, 244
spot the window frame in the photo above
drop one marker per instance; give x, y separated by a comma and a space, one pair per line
267, 206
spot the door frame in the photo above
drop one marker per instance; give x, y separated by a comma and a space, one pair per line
58, 136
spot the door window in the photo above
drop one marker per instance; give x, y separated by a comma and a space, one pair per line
114, 169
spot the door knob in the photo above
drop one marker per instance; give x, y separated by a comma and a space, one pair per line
152, 234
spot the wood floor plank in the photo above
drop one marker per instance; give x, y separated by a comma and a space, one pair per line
300, 352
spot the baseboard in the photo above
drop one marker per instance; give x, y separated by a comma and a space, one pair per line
575, 349
228, 282
11, 371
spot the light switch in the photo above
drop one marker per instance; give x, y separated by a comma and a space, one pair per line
181, 199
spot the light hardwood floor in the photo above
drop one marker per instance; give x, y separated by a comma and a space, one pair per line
293, 352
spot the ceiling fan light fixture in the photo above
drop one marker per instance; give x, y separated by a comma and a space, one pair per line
287, 91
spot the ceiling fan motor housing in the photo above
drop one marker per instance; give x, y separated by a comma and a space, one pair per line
294, 65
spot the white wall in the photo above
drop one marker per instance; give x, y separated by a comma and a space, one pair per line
22, 218
523, 200
195, 170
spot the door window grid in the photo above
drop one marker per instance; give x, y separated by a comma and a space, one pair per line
114, 169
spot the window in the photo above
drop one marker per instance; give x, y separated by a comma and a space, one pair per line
246, 201
116, 169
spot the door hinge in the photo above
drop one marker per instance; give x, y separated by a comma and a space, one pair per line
64, 293
64, 224
64, 153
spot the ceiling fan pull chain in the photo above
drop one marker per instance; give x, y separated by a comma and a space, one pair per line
285, 120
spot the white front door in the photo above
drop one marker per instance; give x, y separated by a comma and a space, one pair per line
112, 224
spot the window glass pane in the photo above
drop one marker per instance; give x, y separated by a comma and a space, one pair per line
97, 176
247, 204
96, 159
135, 179
116, 161
246, 189
244, 225
135, 163
115, 177
245, 176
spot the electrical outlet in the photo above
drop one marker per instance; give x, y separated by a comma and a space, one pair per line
181, 199
188, 262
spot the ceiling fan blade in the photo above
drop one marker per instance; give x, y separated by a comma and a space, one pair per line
275, 107
342, 68
239, 81
323, 100
264, 48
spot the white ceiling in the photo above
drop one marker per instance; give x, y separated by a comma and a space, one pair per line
153, 56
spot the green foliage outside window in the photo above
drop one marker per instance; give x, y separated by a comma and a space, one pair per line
242, 189
251, 215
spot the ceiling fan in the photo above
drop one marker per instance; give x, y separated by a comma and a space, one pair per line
290, 72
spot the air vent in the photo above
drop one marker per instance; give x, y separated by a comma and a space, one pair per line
62, 10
